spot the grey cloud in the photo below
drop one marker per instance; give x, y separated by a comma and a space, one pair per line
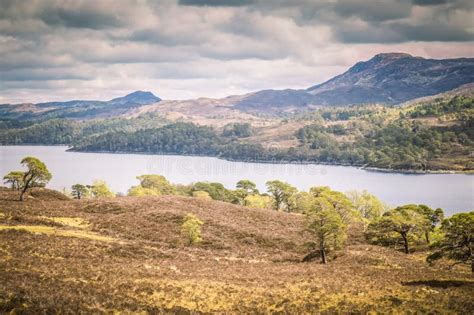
429, 2
378, 10
79, 18
63, 13
17, 60
116, 44
385, 21
348, 34
44, 75
217, 3
433, 32
30, 85
402, 32
159, 37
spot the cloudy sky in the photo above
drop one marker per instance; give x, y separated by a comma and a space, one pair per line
180, 49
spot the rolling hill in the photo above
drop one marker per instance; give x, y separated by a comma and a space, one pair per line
126, 255
394, 78
391, 78
78, 109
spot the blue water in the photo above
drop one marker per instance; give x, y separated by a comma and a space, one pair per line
452, 192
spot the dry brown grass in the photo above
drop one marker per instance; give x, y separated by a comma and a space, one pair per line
249, 262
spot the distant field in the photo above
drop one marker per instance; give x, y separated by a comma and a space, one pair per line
126, 254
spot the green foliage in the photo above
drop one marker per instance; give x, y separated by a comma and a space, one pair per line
386, 138
139, 191
248, 186
434, 217
183, 190
201, 195
303, 201
282, 194
191, 229
458, 240
258, 202
403, 225
316, 137
328, 212
65, 131
36, 175
99, 189
216, 191
48, 132
367, 205
237, 130
400, 144
244, 189
152, 185
325, 225
80, 191
340, 202
372, 136
178, 138
15, 179
460, 106
409, 145
239, 196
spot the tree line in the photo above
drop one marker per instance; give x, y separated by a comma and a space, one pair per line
401, 145
370, 136
70, 132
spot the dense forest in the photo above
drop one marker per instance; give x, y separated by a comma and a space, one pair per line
181, 138
67, 131
434, 135
417, 137
360, 136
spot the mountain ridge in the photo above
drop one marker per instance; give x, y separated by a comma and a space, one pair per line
137, 97
386, 78
79, 109
394, 78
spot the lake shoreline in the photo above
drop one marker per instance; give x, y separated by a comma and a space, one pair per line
368, 169
452, 192
365, 168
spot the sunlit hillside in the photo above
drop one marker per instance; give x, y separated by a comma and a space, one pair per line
128, 254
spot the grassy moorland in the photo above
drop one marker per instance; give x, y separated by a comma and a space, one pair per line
127, 254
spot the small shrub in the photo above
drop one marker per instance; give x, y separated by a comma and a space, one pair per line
258, 202
202, 195
191, 229
137, 191
100, 189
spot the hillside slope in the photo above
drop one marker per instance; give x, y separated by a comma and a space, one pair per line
394, 78
389, 78
275, 101
126, 254
78, 109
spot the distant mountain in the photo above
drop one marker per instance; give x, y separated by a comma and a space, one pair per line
138, 97
393, 78
78, 109
275, 100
